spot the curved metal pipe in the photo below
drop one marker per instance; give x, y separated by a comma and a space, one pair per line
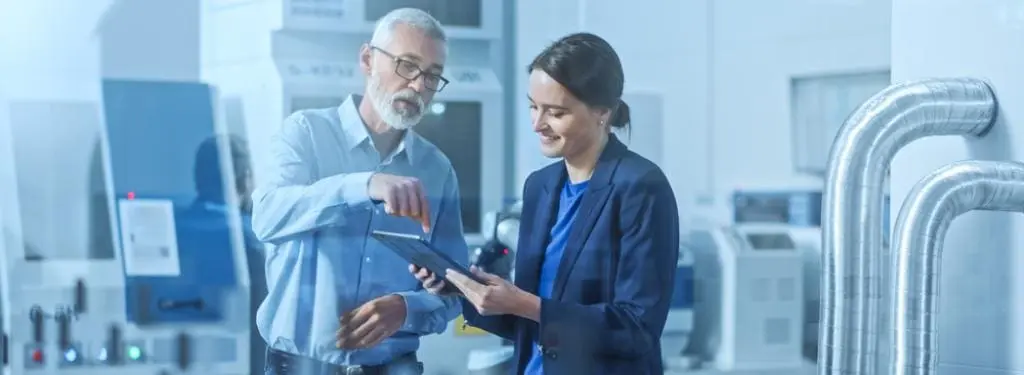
852, 253
920, 232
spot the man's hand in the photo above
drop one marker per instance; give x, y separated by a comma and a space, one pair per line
402, 196
371, 323
497, 297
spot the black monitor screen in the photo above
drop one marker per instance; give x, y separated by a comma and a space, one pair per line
457, 131
465, 13
455, 127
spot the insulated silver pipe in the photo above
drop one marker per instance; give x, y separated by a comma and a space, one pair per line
852, 255
920, 231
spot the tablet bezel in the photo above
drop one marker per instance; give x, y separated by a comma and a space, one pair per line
399, 241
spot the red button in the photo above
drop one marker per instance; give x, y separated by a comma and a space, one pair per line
37, 355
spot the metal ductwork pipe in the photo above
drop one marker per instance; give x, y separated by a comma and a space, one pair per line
853, 262
920, 231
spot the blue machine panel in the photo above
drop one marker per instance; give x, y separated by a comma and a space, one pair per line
154, 130
682, 295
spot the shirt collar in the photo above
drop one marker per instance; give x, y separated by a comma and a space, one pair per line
354, 127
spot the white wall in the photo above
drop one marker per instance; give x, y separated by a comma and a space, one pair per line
981, 325
724, 68
152, 40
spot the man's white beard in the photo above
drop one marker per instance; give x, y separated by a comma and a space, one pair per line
385, 105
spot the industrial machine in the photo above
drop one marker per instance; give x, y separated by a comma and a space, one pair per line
675, 339
799, 210
501, 236
125, 276
497, 256
748, 310
304, 54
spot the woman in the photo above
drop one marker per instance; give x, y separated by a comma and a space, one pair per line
599, 236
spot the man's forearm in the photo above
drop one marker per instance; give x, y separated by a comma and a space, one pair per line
283, 211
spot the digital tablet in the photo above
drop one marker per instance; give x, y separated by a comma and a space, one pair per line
418, 251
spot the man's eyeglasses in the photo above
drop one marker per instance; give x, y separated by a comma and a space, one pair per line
411, 71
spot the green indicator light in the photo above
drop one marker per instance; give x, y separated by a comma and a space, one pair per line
134, 353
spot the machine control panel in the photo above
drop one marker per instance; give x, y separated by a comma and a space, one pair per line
797, 208
765, 239
771, 242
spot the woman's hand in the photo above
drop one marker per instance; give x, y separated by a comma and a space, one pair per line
497, 297
433, 284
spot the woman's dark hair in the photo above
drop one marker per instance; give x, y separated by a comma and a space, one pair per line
589, 68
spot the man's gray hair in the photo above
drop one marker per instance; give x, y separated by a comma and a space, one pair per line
410, 17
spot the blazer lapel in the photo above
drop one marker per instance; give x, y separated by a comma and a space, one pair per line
594, 199
531, 256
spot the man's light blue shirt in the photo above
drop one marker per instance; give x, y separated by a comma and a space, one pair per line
313, 212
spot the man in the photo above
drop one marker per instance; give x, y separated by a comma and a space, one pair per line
339, 301
210, 209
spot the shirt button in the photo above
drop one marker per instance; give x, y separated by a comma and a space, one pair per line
368, 260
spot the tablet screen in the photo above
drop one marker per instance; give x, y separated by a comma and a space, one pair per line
417, 251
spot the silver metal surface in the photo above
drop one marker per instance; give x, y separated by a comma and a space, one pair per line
919, 234
806, 369
508, 233
852, 251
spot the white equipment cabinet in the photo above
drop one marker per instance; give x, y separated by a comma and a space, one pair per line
748, 310
798, 207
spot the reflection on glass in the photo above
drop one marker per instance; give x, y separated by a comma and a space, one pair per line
163, 147
60, 181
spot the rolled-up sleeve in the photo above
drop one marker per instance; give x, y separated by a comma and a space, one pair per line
288, 201
428, 313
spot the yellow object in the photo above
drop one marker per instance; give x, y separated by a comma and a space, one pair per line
463, 329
